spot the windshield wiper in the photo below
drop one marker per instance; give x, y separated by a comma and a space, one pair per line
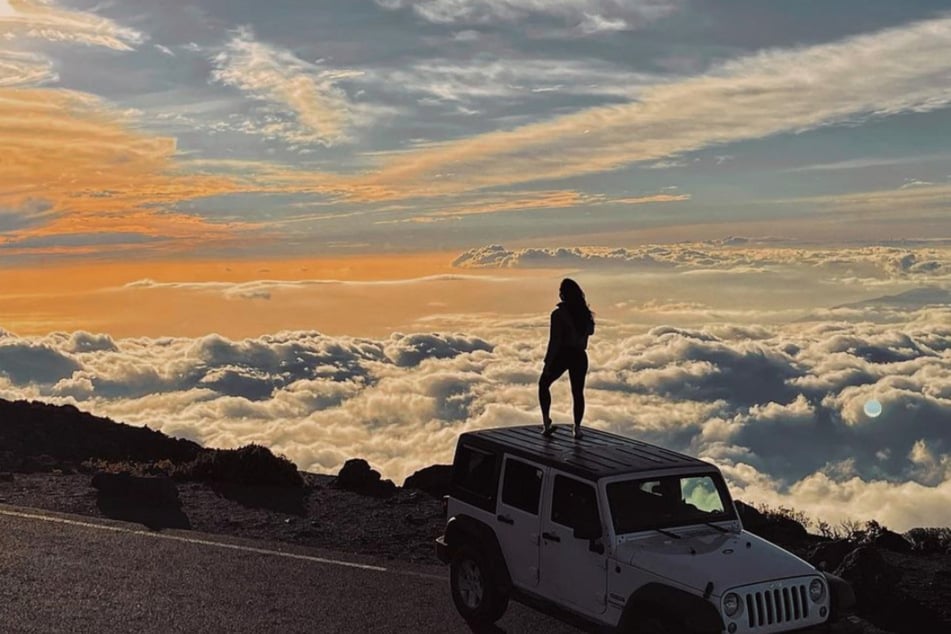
719, 528
668, 533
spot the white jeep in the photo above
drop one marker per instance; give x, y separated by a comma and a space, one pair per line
618, 534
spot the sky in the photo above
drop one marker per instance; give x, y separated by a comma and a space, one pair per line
338, 227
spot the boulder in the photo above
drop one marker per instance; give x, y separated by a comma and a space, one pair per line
433, 480
357, 476
829, 555
872, 578
157, 492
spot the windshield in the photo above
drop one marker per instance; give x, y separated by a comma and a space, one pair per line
638, 505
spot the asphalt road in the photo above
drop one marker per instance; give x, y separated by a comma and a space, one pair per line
62, 573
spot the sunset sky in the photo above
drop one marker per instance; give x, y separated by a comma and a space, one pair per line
302, 221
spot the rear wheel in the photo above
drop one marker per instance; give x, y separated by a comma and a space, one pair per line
478, 599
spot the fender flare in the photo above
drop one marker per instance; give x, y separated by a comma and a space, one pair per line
465, 528
695, 613
841, 595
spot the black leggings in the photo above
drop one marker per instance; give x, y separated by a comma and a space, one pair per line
576, 363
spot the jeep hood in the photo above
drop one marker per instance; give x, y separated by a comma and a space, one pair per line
699, 557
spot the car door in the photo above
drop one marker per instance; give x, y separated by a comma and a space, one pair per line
572, 570
518, 521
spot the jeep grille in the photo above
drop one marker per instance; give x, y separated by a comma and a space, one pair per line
777, 606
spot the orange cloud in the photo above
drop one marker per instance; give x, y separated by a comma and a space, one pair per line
96, 172
45, 20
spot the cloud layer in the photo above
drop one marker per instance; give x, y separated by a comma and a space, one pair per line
782, 409
733, 253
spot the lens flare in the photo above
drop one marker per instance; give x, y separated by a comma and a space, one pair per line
873, 409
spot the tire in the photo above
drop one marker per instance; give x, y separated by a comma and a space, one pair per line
649, 624
656, 625
474, 591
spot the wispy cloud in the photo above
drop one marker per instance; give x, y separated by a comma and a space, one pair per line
589, 16
534, 201
25, 69
489, 78
776, 91
305, 103
912, 196
861, 163
45, 20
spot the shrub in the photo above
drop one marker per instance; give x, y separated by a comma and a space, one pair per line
250, 465
930, 540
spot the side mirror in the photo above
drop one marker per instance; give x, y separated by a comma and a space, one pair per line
588, 531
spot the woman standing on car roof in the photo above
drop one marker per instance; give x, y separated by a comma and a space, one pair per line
572, 322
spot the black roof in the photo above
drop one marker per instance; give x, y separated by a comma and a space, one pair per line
597, 454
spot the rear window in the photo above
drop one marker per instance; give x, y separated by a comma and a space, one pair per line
475, 476
522, 486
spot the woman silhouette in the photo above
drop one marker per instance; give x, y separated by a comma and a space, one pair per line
571, 324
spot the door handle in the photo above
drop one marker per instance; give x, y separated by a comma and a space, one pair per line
505, 519
551, 537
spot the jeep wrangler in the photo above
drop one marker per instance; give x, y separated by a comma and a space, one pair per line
619, 535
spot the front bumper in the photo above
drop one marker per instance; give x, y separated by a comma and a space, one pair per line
442, 549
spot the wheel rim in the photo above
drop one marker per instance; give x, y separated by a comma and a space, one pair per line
470, 584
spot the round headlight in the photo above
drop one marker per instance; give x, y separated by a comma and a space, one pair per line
817, 590
731, 604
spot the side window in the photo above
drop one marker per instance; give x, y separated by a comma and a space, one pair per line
475, 476
522, 486
574, 503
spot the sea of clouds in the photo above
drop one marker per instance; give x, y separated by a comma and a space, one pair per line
780, 407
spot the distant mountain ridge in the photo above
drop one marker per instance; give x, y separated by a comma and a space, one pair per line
915, 298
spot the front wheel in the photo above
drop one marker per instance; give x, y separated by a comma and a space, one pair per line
649, 624
655, 625
478, 599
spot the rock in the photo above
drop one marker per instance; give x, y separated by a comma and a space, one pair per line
6, 477
433, 480
828, 555
889, 540
872, 578
153, 502
154, 492
357, 476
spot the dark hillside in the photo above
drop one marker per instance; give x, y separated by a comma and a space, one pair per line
38, 437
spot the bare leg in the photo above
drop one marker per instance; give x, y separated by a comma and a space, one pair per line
577, 373
549, 375
544, 398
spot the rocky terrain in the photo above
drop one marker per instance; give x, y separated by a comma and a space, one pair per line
60, 459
